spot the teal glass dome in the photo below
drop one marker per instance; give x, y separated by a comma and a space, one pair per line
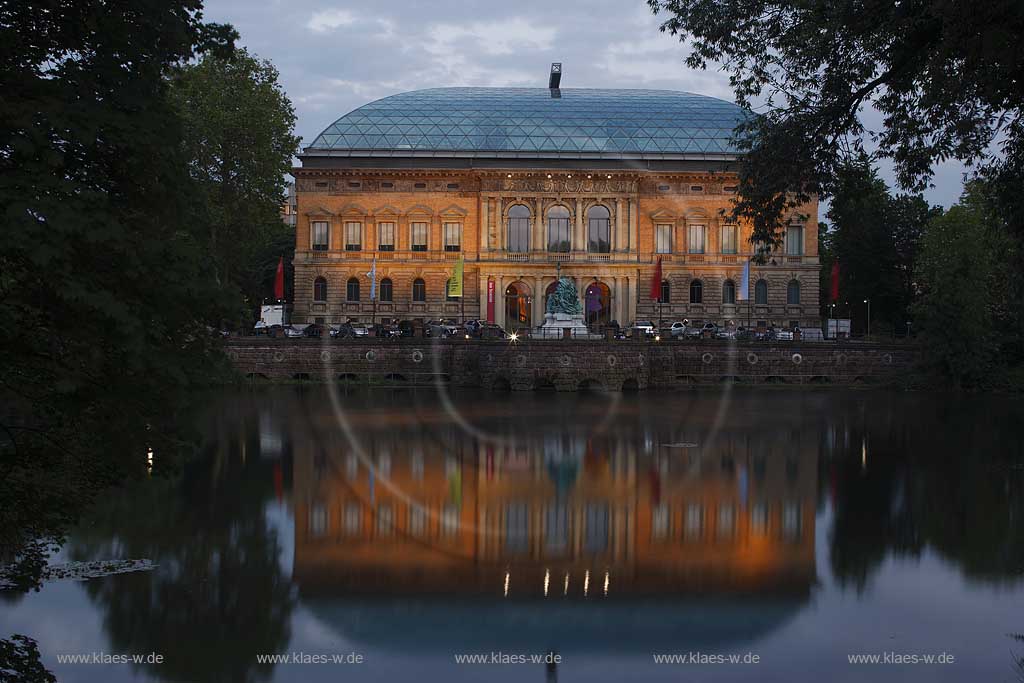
532, 122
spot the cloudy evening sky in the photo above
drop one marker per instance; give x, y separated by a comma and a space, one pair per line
336, 56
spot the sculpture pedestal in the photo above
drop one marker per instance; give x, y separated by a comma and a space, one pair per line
555, 324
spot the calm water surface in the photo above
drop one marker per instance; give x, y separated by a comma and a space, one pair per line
797, 527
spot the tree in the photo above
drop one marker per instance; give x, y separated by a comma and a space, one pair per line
945, 77
875, 237
960, 278
105, 292
238, 138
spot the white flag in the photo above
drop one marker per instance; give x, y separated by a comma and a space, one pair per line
373, 280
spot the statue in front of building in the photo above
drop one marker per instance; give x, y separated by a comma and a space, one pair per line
565, 299
564, 311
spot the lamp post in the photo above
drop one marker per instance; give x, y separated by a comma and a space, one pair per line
868, 302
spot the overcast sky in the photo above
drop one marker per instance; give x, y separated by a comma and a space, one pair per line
335, 56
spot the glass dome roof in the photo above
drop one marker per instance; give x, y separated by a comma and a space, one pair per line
524, 122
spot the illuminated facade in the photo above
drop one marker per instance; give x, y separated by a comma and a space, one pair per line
523, 183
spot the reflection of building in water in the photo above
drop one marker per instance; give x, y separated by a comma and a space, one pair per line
559, 514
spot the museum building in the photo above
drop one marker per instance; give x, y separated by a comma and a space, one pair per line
525, 184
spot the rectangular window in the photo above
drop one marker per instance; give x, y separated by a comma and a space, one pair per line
663, 239
659, 522
450, 520
795, 240
419, 237
321, 236
696, 239
385, 520
353, 236
417, 520
556, 529
729, 239
386, 239
516, 529
453, 237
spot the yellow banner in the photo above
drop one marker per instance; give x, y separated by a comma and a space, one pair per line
455, 283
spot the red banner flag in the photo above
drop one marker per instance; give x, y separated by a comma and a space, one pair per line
279, 280
656, 282
834, 293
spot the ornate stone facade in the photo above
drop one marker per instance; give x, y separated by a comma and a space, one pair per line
507, 223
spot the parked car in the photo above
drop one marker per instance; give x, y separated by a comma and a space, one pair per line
726, 333
744, 334
641, 328
360, 330
677, 330
405, 328
492, 331
295, 331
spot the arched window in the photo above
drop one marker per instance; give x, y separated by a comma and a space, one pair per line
386, 290
793, 292
352, 289
729, 292
599, 230
320, 289
761, 293
558, 230
696, 292
419, 290
448, 288
666, 292
519, 228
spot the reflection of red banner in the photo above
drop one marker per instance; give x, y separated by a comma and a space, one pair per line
490, 301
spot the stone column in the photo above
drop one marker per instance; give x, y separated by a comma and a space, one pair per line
537, 243
631, 285
499, 224
370, 235
620, 242
485, 233
616, 299
634, 223
483, 297
579, 240
537, 315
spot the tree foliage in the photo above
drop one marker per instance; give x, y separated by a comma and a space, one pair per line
104, 288
962, 282
875, 237
944, 76
238, 127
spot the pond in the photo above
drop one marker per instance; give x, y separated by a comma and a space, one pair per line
409, 535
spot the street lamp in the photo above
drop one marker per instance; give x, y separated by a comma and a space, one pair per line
868, 302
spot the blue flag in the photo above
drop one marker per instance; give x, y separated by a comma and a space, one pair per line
745, 281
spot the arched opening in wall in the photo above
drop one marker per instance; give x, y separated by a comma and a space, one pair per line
774, 379
394, 378
501, 384
301, 376
544, 384
548, 291
630, 384
518, 302
597, 304
348, 378
257, 377
590, 385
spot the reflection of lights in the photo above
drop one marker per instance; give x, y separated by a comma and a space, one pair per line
606, 579
506, 584
467, 336
149, 459
864, 453
565, 588
657, 337
586, 583
547, 579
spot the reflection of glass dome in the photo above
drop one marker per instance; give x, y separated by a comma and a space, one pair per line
409, 625
506, 122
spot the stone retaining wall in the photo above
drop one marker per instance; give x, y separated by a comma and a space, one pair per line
568, 365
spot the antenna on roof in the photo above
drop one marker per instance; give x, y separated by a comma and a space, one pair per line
556, 75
